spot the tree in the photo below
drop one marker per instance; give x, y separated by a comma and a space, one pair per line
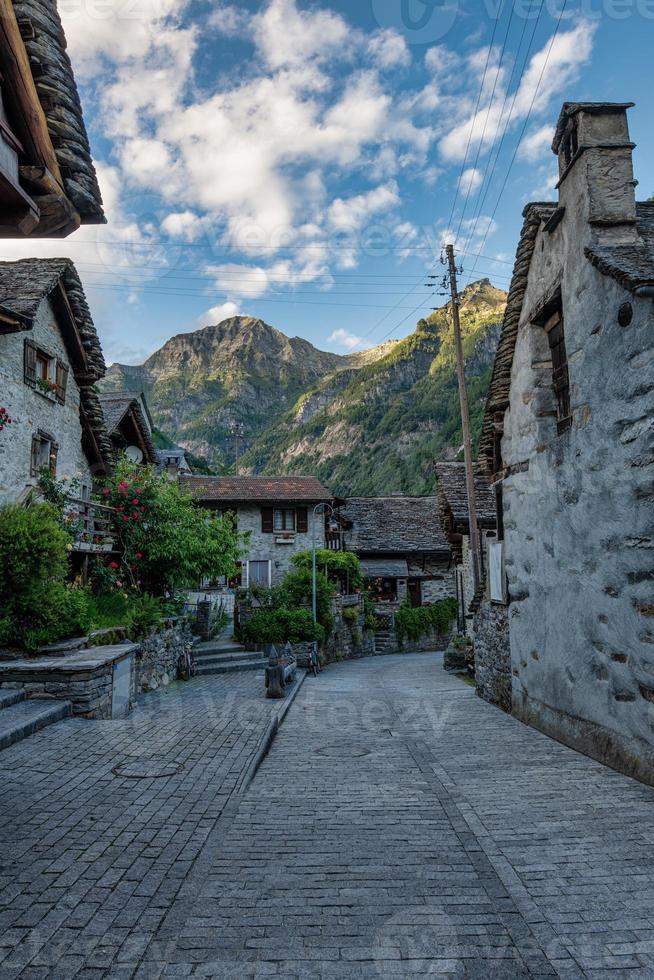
343, 568
166, 541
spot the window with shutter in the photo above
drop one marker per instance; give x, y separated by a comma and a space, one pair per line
43, 454
34, 458
62, 382
560, 374
29, 361
267, 520
302, 520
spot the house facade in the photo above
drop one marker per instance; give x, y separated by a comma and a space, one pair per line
455, 522
129, 425
569, 444
401, 546
50, 358
278, 513
48, 184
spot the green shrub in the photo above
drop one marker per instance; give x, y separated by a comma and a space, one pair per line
280, 626
145, 614
341, 567
411, 624
351, 615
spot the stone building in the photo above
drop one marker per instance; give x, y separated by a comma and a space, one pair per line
401, 547
455, 522
569, 441
173, 461
278, 512
48, 185
50, 358
129, 425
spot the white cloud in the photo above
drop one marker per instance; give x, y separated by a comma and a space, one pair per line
287, 36
440, 60
351, 214
345, 339
559, 63
218, 313
389, 49
470, 181
229, 20
183, 224
536, 144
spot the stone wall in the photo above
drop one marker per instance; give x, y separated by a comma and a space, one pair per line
264, 547
493, 654
158, 654
30, 411
578, 505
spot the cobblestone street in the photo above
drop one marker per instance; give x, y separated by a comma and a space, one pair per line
399, 827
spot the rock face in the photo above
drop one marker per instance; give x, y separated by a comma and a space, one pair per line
365, 423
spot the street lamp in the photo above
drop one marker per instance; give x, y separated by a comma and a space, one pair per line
314, 603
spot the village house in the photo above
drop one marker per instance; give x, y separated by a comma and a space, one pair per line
129, 425
455, 523
173, 461
48, 184
50, 359
568, 441
280, 513
401, 546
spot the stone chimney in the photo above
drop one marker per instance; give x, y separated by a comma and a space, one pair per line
596, 178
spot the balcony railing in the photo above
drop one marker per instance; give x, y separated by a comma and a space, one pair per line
334, 540
91, 525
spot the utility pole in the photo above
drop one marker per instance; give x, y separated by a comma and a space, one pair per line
465, 422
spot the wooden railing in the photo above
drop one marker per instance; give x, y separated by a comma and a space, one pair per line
91, 524
334, 540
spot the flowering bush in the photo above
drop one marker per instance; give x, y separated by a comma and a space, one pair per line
5, 418
164, 539
46, 386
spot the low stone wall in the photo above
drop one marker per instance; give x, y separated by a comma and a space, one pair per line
158, 655
348, 639
493, 654
99, 682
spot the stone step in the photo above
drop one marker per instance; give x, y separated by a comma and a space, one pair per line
226, 657
7, 698
231, 666
23, 719
219, 646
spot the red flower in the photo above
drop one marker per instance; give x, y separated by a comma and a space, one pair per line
135, 501
124, 517
120, 508
138, 554
106, 492
113, 564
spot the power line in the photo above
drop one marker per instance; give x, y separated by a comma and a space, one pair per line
482, 199
524, 127
479, 94
488, 112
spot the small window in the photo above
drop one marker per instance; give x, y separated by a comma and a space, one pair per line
44, 454
560, 374
284, 519
47, 374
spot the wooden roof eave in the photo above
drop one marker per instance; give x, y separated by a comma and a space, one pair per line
72, 338
39, 168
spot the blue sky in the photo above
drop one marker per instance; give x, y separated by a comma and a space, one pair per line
304, 162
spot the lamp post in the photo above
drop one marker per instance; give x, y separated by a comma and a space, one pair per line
314, 603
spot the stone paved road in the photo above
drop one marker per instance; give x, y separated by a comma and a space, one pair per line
399, 827
91, 863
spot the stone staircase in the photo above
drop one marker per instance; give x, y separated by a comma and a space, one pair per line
385, 640
20, 716
225, 656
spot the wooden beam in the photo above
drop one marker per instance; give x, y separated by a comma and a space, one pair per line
30, 121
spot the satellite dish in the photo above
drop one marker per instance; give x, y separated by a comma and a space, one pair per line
134, 454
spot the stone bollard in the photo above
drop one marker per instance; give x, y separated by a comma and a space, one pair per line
274, 675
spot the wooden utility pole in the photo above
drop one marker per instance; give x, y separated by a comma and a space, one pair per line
465, 422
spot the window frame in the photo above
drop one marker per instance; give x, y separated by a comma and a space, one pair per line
555, 331
40, 439
288, 520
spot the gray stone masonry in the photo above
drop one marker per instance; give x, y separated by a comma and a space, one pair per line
158, 655
493, 654
84, 678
